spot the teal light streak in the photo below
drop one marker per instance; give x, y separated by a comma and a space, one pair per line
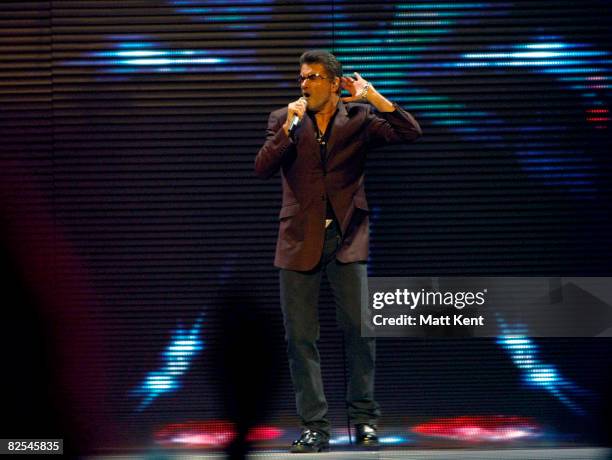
596, 79
576, 70
514, 63
377, 49
393, 32
221, 18
388, 82
430, 98
436, 106
159, 70
534, 54
415, 30
424, 23
546, 46
426, 99
365, 41
136, 45
413, 103
150, 53
462, 14
457, 113
384, 57
243, 9
148, 62
398, 90
591, 86
441, 6
462, 122
408, 65
381, 74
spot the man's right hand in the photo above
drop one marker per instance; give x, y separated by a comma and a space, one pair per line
295, 108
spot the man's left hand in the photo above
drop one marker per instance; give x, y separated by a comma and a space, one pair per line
354, 86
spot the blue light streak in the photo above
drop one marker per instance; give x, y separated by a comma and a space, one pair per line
176, 358
386, 440
166, 62
134, 57
535, 373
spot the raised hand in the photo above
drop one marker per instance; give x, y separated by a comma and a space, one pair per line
355, 86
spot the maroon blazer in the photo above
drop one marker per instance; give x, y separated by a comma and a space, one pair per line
357, 128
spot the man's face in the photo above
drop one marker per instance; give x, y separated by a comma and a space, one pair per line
318, 91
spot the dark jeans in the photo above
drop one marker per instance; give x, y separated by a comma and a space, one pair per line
299, 301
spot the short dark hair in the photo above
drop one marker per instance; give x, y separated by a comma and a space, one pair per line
328, 60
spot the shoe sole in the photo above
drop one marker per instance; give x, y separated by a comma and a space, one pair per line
368, 446
310, 451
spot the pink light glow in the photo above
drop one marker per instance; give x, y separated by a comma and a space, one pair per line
214, 433
483, 428
264, 433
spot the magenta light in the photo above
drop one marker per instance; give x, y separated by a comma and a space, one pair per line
212, 433
480, 428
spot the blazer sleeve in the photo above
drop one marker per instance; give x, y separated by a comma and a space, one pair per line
270, 156
394, 127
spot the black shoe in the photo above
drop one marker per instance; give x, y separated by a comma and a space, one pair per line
366, 436
310, 441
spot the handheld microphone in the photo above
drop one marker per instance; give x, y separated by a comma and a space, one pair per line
295, 121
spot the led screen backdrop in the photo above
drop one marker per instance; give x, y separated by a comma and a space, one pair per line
129, 131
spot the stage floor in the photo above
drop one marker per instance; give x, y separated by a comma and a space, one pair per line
392, 454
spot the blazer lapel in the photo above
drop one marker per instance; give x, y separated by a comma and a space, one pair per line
340, 122
307, 138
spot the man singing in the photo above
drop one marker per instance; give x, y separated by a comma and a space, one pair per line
324, 228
